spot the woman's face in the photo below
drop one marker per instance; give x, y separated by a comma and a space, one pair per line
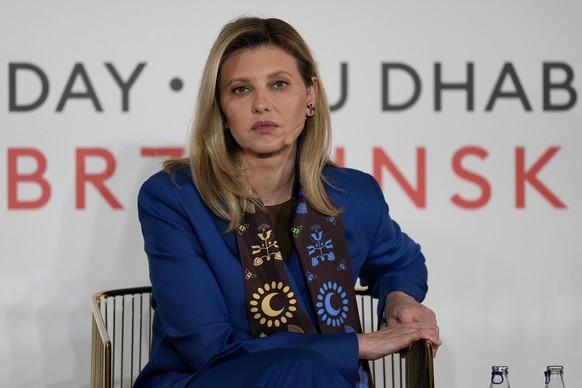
264, 100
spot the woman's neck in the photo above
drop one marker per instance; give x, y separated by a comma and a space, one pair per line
272, 178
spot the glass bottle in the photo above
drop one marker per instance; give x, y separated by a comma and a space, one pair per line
555, 376
499, 377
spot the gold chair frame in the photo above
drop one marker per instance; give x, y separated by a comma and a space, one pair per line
121, 335
122, 332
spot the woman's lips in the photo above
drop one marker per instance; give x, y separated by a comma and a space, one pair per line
264, 126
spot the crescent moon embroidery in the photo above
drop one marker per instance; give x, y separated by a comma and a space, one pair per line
266, 305
328, 305
260, 305
327, 313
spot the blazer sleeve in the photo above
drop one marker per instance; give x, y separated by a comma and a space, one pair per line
394, 262
197, 327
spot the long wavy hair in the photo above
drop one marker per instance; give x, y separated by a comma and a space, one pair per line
216, 172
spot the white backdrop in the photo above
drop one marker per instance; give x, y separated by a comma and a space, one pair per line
504, 267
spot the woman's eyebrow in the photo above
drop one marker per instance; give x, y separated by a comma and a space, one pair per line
274, 74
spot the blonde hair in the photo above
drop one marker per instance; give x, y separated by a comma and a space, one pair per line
215, 170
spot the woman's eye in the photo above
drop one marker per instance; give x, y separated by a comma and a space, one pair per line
240, 90
280, 84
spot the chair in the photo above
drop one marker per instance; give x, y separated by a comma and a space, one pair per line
122, 331
121, 336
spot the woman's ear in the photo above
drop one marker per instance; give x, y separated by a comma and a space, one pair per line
312, 91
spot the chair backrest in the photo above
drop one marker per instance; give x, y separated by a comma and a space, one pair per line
121, 336
122, 331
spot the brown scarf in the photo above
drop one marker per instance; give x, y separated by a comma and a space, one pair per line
272, 305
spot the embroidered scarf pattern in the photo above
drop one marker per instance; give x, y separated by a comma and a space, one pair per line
272, 305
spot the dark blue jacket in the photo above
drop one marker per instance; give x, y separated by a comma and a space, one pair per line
197, 280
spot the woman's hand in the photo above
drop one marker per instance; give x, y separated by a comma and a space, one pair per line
407, 321
403, 308
395, 338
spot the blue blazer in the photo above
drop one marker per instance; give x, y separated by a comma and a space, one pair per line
200, 317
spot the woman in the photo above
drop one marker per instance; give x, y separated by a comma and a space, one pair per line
255, 240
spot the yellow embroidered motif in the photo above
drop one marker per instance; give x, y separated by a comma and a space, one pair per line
242, 228
268, 246
295, 329
262, 304
250, 208
249, 274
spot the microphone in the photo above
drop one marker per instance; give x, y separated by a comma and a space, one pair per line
290, 137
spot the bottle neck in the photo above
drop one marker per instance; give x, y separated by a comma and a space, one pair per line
499, 379
554, 380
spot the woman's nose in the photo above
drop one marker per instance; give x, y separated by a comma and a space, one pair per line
261, 102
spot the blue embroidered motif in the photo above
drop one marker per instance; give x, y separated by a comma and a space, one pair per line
317, 249
329, 314
310, 277
301, 208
